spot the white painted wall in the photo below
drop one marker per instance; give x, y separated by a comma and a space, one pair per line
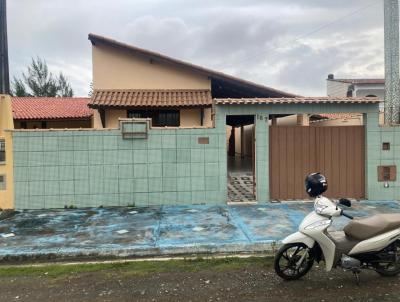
334, 88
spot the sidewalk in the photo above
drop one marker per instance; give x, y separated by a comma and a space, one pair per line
158, 231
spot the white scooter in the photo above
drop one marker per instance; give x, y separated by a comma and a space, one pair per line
367, 243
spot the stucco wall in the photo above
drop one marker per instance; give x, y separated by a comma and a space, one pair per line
6, 169
247, 138
207, 121
290, 120
334, 88
190, 117
116, 68
362, 92
96, 120
112, 116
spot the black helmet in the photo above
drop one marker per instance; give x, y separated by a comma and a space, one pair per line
316, 184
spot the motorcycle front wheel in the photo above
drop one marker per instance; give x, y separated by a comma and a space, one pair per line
293, 261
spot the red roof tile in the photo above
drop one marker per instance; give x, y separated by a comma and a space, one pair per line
34, 108
151, 98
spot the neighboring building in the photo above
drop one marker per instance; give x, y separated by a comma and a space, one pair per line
337, 119
132, 82
374, 88
51, 112
355, 87
343, 88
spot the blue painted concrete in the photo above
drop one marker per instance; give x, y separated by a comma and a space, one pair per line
160, 230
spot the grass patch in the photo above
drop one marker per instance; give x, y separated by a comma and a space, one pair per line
136, 268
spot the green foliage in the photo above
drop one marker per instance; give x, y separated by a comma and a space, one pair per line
18, 88
38, 81
138, 267
64, 88
90, 94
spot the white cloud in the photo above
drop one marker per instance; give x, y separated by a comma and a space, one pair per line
254, 39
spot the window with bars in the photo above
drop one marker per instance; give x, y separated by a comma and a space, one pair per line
2, 151
161, 118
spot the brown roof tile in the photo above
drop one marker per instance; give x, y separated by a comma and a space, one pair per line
151, 98
298, 100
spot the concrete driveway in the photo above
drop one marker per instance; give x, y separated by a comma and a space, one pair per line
158, 231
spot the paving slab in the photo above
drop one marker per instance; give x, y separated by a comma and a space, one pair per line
159, 231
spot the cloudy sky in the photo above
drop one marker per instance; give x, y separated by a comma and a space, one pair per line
286, 44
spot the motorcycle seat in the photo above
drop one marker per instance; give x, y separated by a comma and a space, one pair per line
365, 228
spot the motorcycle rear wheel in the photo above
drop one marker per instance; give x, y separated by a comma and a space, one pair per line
390, 269
286, 261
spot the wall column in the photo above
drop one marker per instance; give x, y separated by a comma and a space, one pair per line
262, 157
392, 71
6, 123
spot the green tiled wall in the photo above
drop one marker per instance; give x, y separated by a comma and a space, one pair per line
377, 157
99, 167
262, 112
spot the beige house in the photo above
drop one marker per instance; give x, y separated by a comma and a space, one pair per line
131, 82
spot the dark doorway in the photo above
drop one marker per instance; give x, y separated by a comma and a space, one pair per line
240, 133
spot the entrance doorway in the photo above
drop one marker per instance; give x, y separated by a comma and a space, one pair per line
240, 133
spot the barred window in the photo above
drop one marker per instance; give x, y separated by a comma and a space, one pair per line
2, 151
160, 118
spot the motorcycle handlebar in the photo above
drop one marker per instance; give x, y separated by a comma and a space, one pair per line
347, 215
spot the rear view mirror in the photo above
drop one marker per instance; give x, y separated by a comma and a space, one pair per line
345, 202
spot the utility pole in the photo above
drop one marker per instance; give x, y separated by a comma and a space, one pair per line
4, 72
392, 61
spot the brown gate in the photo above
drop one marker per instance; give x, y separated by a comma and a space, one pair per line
337, 152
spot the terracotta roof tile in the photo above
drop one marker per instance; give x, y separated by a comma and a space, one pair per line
298, 100
151, 98
34, 108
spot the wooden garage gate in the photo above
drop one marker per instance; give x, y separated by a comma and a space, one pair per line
336, 152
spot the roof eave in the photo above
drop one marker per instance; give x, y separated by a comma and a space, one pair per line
52, 118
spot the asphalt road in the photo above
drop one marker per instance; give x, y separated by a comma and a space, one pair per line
249, 283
